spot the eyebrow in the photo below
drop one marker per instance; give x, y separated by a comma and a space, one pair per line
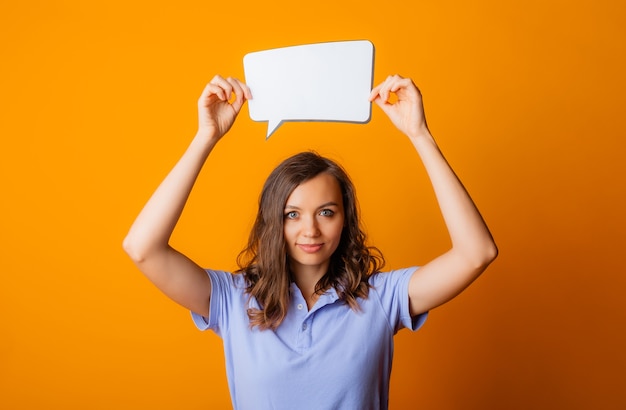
327, 204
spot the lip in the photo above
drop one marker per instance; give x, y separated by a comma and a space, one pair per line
310, 248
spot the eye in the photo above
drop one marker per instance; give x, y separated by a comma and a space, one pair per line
327, 212
291, 215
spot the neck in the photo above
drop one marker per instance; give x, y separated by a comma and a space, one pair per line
306, 278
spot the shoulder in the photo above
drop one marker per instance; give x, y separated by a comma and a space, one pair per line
392, 278
226, 280
391, 291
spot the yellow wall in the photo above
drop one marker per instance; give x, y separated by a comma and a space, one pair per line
526, 100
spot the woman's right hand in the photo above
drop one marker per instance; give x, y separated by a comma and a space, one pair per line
407, 112
147, 242
216, 111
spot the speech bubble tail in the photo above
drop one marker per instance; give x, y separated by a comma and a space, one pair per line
272, 125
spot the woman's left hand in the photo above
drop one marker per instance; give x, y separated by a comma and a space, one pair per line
473, 247
407, 112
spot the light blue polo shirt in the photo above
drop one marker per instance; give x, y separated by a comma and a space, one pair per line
330, 357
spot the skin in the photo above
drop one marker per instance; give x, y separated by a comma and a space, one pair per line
436, 282
473, 247
314, 220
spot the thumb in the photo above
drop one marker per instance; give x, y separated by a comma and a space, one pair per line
384, 105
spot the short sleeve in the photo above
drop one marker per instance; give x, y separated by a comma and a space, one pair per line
392, 290
221, 286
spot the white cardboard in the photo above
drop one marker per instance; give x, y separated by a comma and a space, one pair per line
315, 82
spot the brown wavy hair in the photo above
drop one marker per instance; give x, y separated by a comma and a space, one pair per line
264, 260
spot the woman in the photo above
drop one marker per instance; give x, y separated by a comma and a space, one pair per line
309, 321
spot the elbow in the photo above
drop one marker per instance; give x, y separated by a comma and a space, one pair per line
478, 258
133, 250
488, 254
493, 252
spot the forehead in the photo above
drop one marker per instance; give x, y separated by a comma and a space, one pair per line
319, 190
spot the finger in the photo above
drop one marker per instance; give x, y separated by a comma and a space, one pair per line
400, 85
384, 105
375, 92
393, 84
246, 90
239, 93
227, 88
212, 88
381, 89
378, 92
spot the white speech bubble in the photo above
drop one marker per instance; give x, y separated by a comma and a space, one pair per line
315, 82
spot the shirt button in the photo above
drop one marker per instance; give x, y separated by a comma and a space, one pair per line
300, 306
304, 326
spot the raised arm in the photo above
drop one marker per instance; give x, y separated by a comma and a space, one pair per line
473, 247
147, 242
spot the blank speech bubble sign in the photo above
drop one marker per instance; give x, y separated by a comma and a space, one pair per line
314, 82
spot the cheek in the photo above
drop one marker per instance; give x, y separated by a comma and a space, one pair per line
337, 229
288, 232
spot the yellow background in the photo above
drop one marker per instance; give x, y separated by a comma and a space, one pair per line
526, 99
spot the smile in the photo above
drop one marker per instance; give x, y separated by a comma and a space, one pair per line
310, 248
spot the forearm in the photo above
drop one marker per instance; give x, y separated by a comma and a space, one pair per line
154, 225
468, 232
473, 248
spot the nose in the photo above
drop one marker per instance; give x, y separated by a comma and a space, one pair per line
310, 228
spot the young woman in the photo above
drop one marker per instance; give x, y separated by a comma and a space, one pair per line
308, 321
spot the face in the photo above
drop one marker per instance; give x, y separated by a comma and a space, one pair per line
314, 219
